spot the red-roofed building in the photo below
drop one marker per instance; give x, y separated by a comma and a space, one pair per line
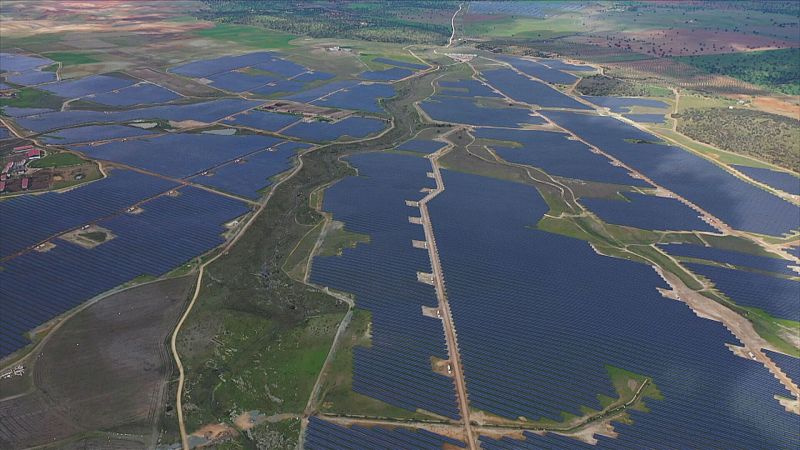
2, 186
25, 182
22, 148
8, 166
34, 154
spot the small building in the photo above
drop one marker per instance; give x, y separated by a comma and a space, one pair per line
25, 182
8, 166
2, 186
22, 148
34, 154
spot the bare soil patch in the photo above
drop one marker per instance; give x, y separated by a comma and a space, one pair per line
103, 369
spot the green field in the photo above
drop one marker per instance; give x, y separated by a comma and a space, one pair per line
777, 70
71, 58
32, 98
248, 36
58, 160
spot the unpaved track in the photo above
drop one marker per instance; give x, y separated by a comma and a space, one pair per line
444, 306
453, 24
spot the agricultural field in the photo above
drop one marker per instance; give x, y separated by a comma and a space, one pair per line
424, 224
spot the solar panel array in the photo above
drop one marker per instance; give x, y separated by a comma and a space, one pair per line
789, 365
382, 275
647, 212
320, 131
92, 133
738, 203
557, 155
466, 88
523, 89
777, 296
731, 257
25, 70
93, 84
263, 120
138, 94
464, 110
38, 286
179, 155
539, 317
362, 97
252, 174
394, 73
624, 104
209, 111
28, 220
779, 180
540, 71
324, 435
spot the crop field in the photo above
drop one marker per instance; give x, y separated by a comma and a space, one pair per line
326, 435
738, 203
648, 213
524, 89
320, 131
178, 155
249, 175
403, 64
467, 111
103, 369
43, 285
741, 260
555, 154
748, 288
783, 181
396, 368
540, 304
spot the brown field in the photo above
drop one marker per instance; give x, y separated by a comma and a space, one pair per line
97, 16
104, 369
684, 42
682, 75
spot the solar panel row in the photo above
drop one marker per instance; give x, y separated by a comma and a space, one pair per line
382, 275
540, 317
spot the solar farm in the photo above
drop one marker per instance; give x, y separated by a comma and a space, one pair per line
223, 232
